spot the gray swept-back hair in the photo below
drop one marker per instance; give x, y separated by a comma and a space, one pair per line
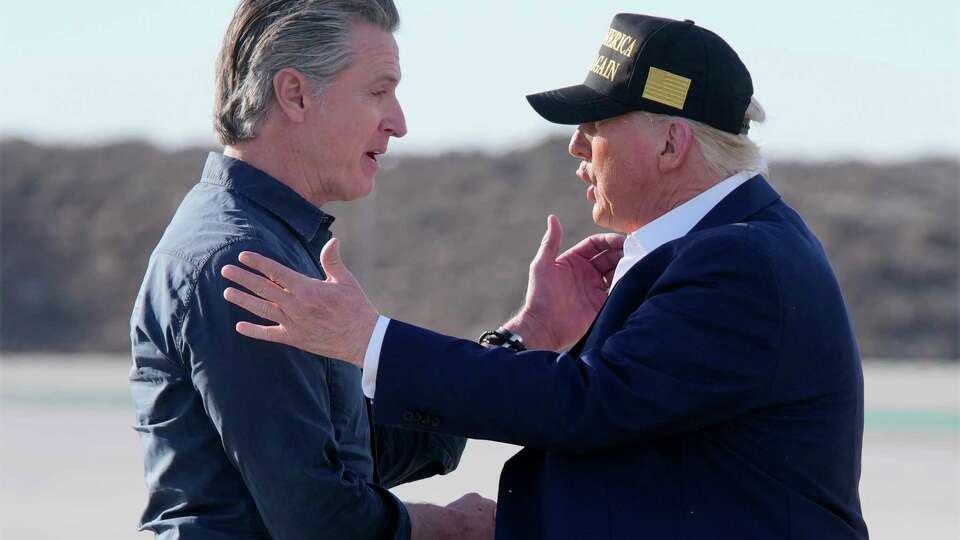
265, 36
725, 153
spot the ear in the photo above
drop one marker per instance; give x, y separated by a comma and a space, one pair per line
290, 91
678, 142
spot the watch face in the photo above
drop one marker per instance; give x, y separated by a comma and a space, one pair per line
502, 337
491, 338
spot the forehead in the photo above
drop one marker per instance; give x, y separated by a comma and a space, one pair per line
631, 124
375, 50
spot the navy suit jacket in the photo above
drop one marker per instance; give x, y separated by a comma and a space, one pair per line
718, 394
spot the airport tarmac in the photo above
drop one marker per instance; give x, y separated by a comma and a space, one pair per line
70, 463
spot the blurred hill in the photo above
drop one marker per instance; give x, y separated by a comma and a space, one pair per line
445, 240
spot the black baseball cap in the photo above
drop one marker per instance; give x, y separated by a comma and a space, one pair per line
660, 66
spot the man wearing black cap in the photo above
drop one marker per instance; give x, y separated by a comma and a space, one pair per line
718, 391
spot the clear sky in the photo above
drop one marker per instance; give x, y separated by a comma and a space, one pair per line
839, 78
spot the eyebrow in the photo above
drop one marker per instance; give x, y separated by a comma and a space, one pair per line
387, 78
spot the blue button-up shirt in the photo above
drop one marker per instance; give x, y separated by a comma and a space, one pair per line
244, 438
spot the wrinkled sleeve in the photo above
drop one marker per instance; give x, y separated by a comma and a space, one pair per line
270, 405
406, 456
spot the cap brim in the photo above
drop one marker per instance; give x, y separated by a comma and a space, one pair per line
575, 105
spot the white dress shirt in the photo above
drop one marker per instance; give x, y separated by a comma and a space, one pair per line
638, 244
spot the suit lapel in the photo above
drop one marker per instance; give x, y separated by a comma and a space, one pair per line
754, 195
578, 346
624, 296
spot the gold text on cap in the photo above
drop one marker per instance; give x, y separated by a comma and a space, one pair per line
605, 67
666, 88
620, 42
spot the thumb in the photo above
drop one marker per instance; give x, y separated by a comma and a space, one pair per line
332, 263
552, 240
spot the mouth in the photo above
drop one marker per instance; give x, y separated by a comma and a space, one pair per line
584, 174
372, 155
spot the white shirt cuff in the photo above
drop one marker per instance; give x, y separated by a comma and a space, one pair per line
371, 359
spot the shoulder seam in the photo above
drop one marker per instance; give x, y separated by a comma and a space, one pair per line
178, 318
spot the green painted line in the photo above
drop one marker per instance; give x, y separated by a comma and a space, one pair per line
941, 420
911, 419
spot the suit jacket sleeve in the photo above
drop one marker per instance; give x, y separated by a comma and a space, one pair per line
698, 350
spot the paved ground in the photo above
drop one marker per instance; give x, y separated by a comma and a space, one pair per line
70, 464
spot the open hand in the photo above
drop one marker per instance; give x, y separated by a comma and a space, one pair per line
565, 292
332, 317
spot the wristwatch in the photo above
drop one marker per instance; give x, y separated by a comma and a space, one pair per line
501, 337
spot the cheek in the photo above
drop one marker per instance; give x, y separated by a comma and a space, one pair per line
609, 177
607, 162
598, 153
348, 136
351, 127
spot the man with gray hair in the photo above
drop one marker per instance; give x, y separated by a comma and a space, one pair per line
244, 439
717, 393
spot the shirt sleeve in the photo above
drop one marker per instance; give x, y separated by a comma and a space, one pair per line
405, 455
371, 359
271, 405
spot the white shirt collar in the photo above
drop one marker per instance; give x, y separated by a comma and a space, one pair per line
675, 223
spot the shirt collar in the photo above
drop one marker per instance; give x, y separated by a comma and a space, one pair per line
308, 221
675, 223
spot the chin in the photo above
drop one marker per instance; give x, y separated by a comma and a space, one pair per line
598, 217
363, 188
604, 221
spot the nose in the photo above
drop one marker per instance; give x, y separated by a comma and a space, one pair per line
579, 145
394, 123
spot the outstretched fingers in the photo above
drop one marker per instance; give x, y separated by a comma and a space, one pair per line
605, 263
606, 241
276, 272
552, 240
259, 285
333, 264
592, 246
258, 306
608, 275
276, 334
